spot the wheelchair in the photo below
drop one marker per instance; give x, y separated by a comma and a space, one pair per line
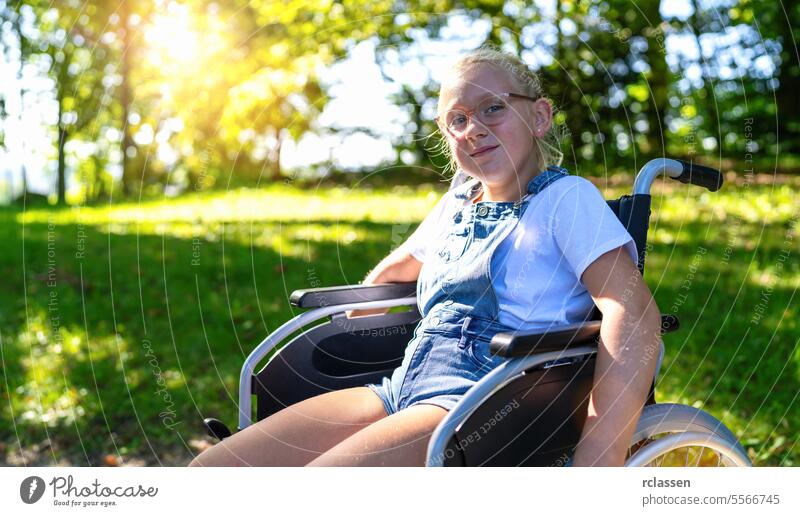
528, 411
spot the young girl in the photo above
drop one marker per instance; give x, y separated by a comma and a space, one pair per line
521, 245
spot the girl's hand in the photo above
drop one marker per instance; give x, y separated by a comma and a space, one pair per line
360, 313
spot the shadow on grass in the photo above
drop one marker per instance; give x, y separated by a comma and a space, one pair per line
121, 344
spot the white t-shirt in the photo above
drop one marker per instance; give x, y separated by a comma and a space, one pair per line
537, 268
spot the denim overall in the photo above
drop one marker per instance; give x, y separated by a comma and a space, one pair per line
449, 351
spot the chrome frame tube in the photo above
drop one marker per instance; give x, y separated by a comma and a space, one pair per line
660, 359
652, 169
289, 327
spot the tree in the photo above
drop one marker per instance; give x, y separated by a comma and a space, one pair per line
11, 15
64, 44
650, 27
266, 87
125, 53
780, 21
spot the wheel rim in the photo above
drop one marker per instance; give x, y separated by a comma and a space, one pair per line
686, 449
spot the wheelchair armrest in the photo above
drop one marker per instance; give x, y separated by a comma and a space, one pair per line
559, 337
330, 296
521, 344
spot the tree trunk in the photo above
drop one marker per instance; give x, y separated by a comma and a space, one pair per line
24, 181
98, 188
787, 96
418, 139
17, 29
125, 97
61, 184
659, 78
708, 85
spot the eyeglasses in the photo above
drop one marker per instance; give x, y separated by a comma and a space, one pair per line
491, 111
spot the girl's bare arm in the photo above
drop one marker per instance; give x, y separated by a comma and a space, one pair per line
626, 358
398, 267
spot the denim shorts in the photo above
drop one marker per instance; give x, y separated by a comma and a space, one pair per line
448, 354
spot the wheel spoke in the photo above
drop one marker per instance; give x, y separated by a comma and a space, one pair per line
665, 424
673, 458
699, 456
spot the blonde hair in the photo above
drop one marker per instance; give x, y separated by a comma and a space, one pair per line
530, 84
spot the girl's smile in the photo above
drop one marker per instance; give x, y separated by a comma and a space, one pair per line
483, 151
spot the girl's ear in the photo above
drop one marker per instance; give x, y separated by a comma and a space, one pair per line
542, 117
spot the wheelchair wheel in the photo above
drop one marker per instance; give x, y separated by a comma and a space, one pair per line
671, 434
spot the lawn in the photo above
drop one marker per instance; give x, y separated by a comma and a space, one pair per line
122, 326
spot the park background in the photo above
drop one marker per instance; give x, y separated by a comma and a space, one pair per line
170, 171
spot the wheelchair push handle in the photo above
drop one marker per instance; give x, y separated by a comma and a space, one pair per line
700, 175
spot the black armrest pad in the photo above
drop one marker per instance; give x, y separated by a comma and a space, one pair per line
559, 337
329, 296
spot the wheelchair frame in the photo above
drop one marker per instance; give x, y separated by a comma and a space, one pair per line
527, 351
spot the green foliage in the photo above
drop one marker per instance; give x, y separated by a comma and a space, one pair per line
224, 85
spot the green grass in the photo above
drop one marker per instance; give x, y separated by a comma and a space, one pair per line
152, 308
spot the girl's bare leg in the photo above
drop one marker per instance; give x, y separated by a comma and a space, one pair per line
299, 433
397, 440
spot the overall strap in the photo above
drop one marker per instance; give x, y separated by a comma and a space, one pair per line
467, 190
543, 179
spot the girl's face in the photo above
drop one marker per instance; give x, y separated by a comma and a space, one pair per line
499, 153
